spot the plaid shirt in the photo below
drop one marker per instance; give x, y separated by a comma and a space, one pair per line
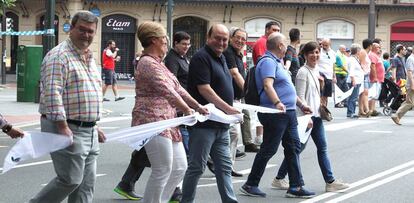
70, 85
3, 121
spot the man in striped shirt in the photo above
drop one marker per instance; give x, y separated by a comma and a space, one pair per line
70, 104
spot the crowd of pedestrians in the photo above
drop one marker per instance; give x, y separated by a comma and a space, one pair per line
296, 81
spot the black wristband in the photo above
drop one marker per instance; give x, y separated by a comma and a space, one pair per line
7, 128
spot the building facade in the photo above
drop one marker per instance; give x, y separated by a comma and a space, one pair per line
344, 21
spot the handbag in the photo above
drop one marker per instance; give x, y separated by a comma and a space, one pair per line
323, 110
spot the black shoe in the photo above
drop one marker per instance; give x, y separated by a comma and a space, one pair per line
119, 98
131, 195
177, 195
251, 148
105, 99
236, 174
239, 154
210, 166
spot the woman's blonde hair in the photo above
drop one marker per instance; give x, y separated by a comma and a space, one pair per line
148, 30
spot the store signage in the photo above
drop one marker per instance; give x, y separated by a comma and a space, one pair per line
119, 23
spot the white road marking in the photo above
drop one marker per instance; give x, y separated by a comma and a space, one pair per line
108, 128
378, 131
215, 184
361, 182
31, 164
349, 124
372, 186
247, 171
100, 175
1, 146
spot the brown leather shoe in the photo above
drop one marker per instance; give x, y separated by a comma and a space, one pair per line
396, 120
251, 148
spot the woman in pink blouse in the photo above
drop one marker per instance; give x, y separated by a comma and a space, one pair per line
158, 95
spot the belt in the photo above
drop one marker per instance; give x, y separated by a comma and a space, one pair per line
78, 123
81, 123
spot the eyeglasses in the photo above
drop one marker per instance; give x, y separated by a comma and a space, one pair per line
243, 39
185, 44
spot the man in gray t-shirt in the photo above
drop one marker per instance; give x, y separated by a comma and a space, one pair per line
409, 101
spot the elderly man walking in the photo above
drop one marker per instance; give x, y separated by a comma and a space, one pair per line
70, 104
210, 81
277, 94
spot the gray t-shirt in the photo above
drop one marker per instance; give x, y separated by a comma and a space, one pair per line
409, 67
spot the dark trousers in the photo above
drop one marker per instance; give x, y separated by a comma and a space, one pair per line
139, 160
276, 128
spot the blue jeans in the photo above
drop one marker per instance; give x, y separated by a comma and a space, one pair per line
352, 100
186, 138
319, 138
205, 141
276, 128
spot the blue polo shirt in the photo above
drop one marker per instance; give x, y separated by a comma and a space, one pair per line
208, 68
271, 67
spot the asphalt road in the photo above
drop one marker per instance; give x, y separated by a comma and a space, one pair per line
374, 155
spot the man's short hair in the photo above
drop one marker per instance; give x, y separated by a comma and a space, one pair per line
294, 34
386, 55
179, 36
109, 42
271, 23
84, 15
355, 48
234, 30
377, 40
273, 41
399, 47
366, 43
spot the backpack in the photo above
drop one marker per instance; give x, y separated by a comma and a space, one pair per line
251, 96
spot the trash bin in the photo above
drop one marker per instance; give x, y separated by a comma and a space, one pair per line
29, 59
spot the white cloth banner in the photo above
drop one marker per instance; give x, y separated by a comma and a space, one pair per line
340, 95
256, 108
34, 145
302, 128
374, 91
37, 144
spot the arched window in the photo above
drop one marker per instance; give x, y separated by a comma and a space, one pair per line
339, 31
196, 27
256, 27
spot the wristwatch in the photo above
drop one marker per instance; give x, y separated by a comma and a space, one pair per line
7, 128
276, 103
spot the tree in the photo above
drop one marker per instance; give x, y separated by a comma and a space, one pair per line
6, 4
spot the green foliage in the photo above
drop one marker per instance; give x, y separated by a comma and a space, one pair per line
6, 4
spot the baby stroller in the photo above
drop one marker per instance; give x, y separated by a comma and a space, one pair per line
392, 95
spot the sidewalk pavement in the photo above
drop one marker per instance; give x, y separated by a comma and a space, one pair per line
26, 113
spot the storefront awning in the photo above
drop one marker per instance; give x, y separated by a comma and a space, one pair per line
271, 3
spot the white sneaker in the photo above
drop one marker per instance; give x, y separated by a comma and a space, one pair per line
258, 140
280, 184
336, 185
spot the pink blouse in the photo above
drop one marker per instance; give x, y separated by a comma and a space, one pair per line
156, 88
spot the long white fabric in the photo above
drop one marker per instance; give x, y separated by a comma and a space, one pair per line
37, 144
34, 145
340, 95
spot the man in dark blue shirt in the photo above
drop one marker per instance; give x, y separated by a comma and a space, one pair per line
210, 81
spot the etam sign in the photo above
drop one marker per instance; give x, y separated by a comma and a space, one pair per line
119, 23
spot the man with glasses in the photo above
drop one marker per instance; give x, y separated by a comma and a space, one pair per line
326, 69
70, 104
234, 59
